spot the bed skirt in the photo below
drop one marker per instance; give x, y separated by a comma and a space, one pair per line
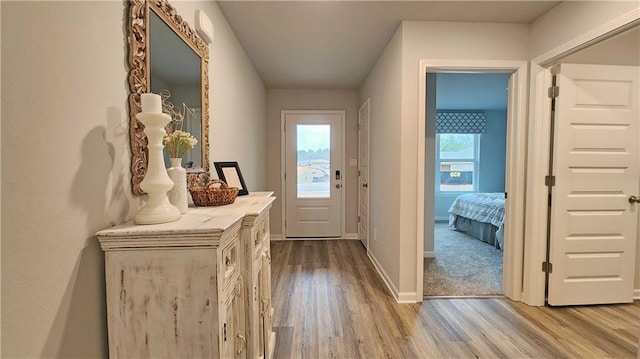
485, 232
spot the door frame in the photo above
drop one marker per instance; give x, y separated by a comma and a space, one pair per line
283, 166
366, 103
515, 167
539, 138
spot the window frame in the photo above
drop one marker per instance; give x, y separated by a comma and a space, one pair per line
475, 161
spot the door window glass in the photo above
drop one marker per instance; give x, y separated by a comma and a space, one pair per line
314, 160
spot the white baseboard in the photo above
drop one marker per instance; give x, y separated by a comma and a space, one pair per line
400, 297
383, 274
406, 297
276, 237
636, 294
429, 254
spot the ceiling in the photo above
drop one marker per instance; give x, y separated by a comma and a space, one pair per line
334, 44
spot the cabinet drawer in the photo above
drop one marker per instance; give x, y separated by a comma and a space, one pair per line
260, 236
230, 260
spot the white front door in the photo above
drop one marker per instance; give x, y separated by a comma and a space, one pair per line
596, 168
363, 171
314, 173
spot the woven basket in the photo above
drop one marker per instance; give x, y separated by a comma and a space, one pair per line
213, 196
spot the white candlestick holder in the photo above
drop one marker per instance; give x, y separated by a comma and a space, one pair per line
156, 181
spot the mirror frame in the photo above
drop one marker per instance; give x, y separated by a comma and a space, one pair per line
139, 82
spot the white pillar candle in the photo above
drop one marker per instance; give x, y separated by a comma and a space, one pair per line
151, 103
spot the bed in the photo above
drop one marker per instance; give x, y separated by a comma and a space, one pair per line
480, 215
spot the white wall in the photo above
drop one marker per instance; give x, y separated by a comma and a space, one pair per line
571, 19
238, 100
65, 164
384, 88
439, 40
623, 49
394, 128
297, 99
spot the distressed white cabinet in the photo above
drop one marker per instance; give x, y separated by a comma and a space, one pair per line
255, 238
179, 289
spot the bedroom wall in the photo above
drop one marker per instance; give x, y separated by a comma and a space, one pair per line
491, 166
486, 92
320, 99
65, 161
493, 150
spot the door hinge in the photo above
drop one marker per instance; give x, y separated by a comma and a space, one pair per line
358, 173
285, 176
554, 91
285, 224
549, 181
224, 331
549, 200
506, 195
358, 218
547, 267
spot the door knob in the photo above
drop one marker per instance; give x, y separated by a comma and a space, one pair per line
365, 185
634, 199
338, 185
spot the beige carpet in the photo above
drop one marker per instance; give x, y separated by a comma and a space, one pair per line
463, 265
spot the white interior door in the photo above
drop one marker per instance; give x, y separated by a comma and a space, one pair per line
363, 171
314, 173
596, 168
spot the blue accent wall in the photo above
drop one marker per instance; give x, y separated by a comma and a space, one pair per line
488, 92
493, 148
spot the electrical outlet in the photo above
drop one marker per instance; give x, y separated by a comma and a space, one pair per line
375, 235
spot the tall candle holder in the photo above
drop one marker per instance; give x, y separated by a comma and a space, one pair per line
156, 181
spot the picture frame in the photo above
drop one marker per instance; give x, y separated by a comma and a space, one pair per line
230, 173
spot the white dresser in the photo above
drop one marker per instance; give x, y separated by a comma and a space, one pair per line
199, 287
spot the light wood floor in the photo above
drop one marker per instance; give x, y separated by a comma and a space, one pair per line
330, 303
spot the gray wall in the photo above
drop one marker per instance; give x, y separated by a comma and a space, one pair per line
322, 99
65, 165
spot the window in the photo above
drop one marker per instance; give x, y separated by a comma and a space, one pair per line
457, 162
314, 160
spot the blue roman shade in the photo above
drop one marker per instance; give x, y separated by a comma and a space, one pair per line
461, 122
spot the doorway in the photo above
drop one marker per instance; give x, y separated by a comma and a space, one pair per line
363, 172
313, 174
515, 166
470, 157
610, 49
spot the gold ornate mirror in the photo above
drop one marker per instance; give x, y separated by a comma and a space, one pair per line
165, 53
